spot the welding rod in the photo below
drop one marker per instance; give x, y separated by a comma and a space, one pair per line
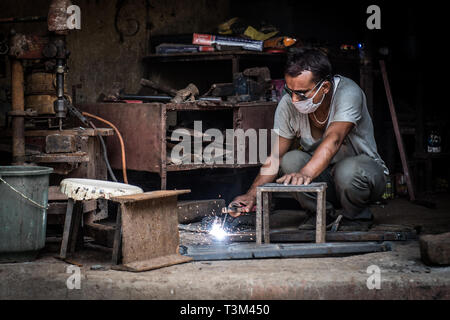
224, 219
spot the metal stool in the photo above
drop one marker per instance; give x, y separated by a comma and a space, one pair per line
263, 207
78, 190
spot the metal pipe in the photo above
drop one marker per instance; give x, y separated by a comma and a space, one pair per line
18, 105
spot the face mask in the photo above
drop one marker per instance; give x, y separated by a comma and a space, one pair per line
308, 106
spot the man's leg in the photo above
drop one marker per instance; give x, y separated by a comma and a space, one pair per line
359, 181
294, 161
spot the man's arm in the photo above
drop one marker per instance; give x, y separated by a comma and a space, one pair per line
268, 173
332, 141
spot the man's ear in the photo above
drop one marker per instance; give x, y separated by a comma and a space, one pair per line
327, 86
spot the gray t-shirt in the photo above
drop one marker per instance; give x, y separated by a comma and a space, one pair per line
348, 104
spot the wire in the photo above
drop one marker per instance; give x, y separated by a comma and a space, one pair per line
122, 145
105, 153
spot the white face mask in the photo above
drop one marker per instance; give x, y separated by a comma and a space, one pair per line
308, 106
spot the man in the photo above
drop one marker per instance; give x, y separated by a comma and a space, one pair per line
328, 115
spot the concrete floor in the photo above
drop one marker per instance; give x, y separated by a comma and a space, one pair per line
403, 275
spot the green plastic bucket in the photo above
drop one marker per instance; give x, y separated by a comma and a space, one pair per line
23, 213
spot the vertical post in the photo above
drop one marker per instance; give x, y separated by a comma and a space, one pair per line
18, 105
77, 231
258, 217
398, 135
266, 211
67, 229
234, 65
321, 217
163, 165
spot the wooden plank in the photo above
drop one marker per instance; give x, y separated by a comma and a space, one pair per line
67, 230
148, 196
155, 263
60, 157
54, 194
59, 208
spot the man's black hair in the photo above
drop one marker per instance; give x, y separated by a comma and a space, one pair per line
309, 59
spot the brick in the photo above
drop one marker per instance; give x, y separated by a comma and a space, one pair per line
435, 249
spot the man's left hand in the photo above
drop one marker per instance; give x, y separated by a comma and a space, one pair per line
295, 179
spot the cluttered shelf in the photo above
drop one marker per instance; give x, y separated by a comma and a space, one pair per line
187, 167
189, 56
212, 105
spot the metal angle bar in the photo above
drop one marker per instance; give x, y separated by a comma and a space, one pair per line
258, 216
307, 236
275, 187
283, 251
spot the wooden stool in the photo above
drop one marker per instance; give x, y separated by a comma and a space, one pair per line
78, 190
263, 207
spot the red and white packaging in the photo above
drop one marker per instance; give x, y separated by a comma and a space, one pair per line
203, 39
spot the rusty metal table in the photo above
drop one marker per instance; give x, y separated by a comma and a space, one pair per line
263, 207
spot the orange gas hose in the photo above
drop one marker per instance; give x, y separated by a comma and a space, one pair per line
122, 145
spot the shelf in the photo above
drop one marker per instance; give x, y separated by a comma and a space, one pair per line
210, 106
186, 167
218, 55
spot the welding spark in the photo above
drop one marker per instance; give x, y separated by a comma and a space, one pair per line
218, 232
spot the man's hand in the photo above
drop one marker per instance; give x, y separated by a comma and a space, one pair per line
295, 179
245, 201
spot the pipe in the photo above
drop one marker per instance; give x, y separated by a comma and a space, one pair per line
122, 145
18, 105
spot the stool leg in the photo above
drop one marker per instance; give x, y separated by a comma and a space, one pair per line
321, 217
117, 247
266, 212
77, 231
67, 229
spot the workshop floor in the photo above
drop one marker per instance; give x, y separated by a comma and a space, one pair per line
403, 275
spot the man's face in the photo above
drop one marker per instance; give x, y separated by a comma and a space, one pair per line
304, 83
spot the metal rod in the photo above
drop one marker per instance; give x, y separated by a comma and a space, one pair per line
258, 216
321, 218
398, 135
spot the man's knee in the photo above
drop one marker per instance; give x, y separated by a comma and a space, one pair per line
294, 161
346, 172
359, 173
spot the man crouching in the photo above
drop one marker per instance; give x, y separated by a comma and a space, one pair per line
327, 115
